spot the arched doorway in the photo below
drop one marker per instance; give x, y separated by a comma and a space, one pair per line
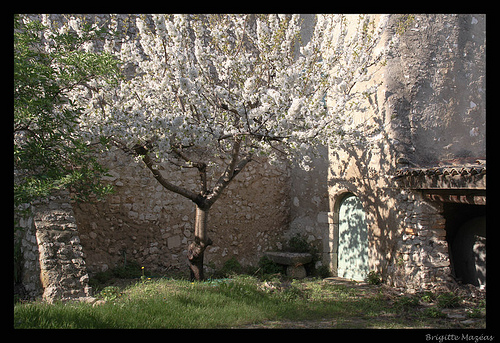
352, 239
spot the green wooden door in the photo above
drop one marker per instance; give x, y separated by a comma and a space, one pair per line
353, 240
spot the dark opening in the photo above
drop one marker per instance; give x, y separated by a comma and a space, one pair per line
466, 236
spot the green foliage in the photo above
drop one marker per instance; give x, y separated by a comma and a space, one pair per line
323, 271
406, 303
404, 23
231, 266
128, 271
295, 291
266, 266
18, 257
131, 270
299, 243
448, 300
427, 297
49, 153
110, 293
432, 312
374, 278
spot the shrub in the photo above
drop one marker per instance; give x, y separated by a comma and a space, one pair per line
231, 266
299, 243
374, 278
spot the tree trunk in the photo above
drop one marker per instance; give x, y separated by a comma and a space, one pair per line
203, 200
197, 248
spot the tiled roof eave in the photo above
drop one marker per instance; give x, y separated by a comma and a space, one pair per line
448, 177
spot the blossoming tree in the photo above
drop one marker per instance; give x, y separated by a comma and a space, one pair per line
215, 91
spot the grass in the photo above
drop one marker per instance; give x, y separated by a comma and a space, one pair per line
239, 301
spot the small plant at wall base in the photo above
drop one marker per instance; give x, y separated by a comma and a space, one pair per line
231, 266
299, 243
268, 267
110, 293
132, 270
374, 278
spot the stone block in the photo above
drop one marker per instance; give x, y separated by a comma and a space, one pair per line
439, 232
174, 242
296, 272
289, 258
410, 231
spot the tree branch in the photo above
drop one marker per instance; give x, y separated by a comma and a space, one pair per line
201, 166
143, 152
230, 173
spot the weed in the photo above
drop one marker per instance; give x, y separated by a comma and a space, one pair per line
231, 266
130, 270
110, 293
432, 312
406, 303
427, 297
448, 300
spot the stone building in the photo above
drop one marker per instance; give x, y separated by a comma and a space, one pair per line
409, 205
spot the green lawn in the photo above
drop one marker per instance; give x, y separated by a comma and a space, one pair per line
242, 301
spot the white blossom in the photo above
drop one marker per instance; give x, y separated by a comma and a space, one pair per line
206, 80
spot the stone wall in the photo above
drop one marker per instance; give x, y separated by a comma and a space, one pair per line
152, 226
309, 203
63, 274
29, 285
421, 259
435, 88
62, 241
366, 173
53, 262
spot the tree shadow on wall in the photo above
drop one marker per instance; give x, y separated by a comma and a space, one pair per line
367, 171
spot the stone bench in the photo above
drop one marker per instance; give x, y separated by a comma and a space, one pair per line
293, 260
